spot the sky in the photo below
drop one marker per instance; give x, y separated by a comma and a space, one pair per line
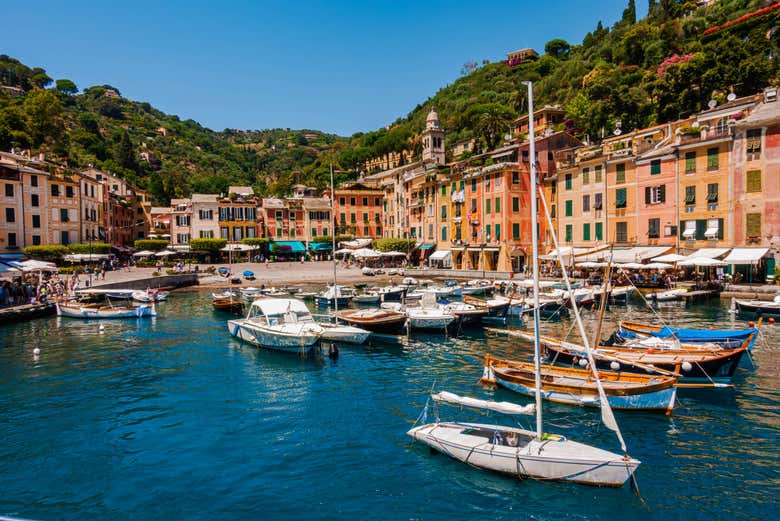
337, 66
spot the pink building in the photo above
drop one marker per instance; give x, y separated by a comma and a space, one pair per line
656, 184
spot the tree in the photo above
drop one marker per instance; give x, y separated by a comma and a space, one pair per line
558, 48
402, 245
124, 154
154, 244
629, 14
66, 86
45, 122
210, 245
491, 121
468, 68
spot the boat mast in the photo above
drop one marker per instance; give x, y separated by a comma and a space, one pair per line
535, 256
333, 240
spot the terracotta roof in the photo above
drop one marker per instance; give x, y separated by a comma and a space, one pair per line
241, 190
204, 198
763, 114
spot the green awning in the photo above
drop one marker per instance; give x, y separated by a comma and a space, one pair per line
426, 246
320, 246
288, 247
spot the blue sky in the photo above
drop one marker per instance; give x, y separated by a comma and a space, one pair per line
334, 65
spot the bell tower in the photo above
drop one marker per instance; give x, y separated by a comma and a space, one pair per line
433, 140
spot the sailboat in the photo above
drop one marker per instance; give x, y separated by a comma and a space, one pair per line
228, 300
534, 454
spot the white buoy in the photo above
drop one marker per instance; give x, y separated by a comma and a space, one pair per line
686, 366
101, 328
614, 366
37, 351
583, 362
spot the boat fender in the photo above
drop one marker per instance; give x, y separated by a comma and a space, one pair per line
771, 320
686, 366
614, 366
650, 350
751, 323
583, 362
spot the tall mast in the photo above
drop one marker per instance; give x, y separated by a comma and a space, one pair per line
333, 239
535, 256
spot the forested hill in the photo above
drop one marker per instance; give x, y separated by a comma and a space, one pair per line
639, 72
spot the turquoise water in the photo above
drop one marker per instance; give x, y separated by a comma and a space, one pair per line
172, 418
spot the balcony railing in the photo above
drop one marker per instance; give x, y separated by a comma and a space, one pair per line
705, 135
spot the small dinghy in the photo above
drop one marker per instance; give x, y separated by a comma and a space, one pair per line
251, 291
150, 295
667, 296
335, 296
759, 307
249, 275
230, 304
380, 321
369, 297
100, 304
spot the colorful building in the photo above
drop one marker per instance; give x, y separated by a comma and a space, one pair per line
359, 210
238, 215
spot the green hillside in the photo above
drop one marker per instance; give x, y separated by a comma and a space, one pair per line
660, 68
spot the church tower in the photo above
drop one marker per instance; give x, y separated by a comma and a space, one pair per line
433, 140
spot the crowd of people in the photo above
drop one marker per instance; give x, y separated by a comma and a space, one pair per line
32, 289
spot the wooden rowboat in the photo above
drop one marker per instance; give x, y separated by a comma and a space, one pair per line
375, 320
226, 304
576, 386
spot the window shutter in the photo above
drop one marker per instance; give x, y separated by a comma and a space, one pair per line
647, 194
720, 229
753, 225
701, 227
662, 193
682, 229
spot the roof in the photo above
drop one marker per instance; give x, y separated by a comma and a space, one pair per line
746, 255
241, 190
763, 114
160, 209
272, 202
316, 203
658, 152
176, 202
204, 198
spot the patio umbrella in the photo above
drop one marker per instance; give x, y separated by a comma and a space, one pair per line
344, 251
671, 257
658, 266
393, 254
366, 253
702, 261
591, 264
165, 253
143, 253
631, 266
34, 265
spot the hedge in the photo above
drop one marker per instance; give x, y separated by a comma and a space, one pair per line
255, 241
95, 247
402, 245
51, 251
151, 244
208, 244
329, 238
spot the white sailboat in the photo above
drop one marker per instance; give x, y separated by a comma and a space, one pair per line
529, 454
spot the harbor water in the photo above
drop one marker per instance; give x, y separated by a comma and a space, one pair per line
171, 418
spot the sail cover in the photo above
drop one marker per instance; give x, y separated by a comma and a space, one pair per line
502, 407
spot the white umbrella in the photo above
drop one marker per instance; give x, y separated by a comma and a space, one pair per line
344, 251
703, 261
165, 253
34, 265
671, 257
366, 253
591, 264
393, 254
658, 266
631, 266
152, 235
143, 253
239, 247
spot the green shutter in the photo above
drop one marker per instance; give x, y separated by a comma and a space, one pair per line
720, 229
701, 227
753, 224
599, 231
586, 232
620, 173
690, 162
444, 233
754, 181
712, 158
568, 232
443, 189
568, 208
487, 231
515, 230
585, 176
498, 232
655, 167
598, 174
690, 194
498, 205
620, 198
487, 206
568, 181
515, 204
712, 193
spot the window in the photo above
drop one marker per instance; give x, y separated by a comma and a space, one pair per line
10, 215
754, 181
515, 178
9, 190
206, 234
552, 210
377, 218
342, 201
620, 198
599, 231
498, 205
34, 200
36, 221
599, 177
515, 230
487, 206
515, 204
670, 230
444, 211
487, 182
278, 232
352, 201
655, 167
598, 202
568, 237
353, 217
621, 231
55, 190
69, 192
754, 144
712, 159
586, 232
473, 205
365, 217
206, 215
568, 181
325, 231
690, 162
474, 185
293, 216
688, 230
34, 181
11, 240
654, 228
443, 189
376, 201
498, 232
690, 195
713, 229
586, 176
712, 193
753, 221
655, 194
65, 238
620, 173
365, 201
36, 240
569, 208
487, 232
586, 203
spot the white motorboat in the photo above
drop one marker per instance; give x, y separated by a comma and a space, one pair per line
98, 304
667, 296
391, 293
225, 294
335, 296
150, 295
369, 297
251, 291
760, 306
521, 453
274, 292
343, 333
429, 319
466, 313
281, 324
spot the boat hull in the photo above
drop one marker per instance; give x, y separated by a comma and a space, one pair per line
331, 302
93, 313
385, 325
758, 307
552, 458
261, 337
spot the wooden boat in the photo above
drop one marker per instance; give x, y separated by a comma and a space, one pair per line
577, 386
496, 306
232, 305
465, 313
98, 304
375, 320
759, 307
727, 338
706, 366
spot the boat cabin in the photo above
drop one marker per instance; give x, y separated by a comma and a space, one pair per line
278, 311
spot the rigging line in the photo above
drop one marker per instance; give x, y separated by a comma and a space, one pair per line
606, 410
663, 322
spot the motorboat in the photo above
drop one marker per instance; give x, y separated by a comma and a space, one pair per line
368, 297
496, 306
335, 295
150, 295
347, 334
274, 292
230, 304
100, 304
466, 313
225, 294
280, 324
576, 386
477, 287
391, 293
429, 319
667, 295
381, 321
621, 294
759, 307
251, 291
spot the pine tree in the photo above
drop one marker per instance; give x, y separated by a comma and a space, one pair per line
629, 14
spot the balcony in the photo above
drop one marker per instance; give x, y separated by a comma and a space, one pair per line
705, 135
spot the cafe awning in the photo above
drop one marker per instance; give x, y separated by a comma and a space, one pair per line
288, 247
320, 246
426, 246
712, 253
440, 255
746, 255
